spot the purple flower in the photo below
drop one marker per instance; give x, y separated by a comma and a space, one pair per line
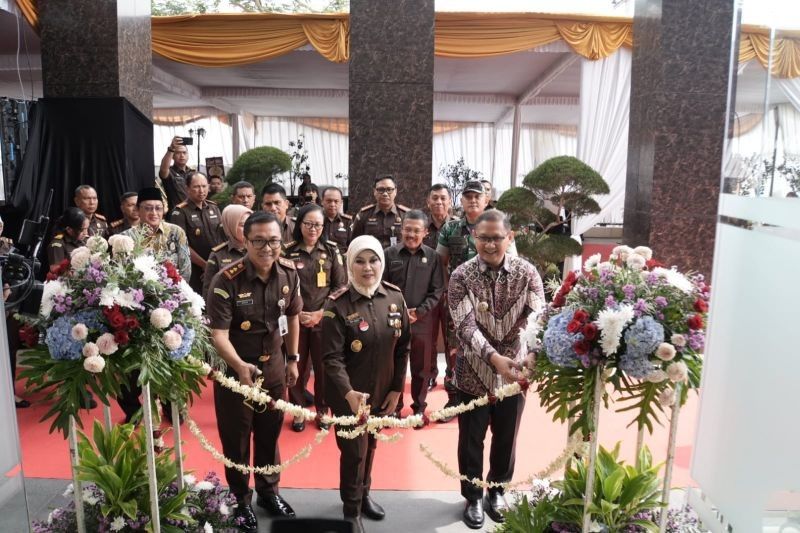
138, 295
639, 307
652, 278
629, 290
661, 301
610, 301
697, 340
593, 293
92, 296
169, 305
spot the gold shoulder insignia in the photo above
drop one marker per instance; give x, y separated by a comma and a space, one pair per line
219, 247
117, 223
234, 270
100, 217
56, 244
286, 263
212, 202
367, 207
336, 294
395, 287
222, 292
328, 314
401, 207
59, 236
289, 244
346, 216
182, 204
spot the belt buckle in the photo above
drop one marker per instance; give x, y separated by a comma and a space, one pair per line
263, 358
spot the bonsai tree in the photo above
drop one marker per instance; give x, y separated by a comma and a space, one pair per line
562, 182
259, 166
455, 176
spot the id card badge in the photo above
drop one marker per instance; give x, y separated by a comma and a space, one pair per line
392, 240
283, 325
322, 280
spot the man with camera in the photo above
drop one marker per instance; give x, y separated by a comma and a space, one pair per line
173, 177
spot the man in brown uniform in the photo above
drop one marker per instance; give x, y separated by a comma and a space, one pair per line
200, 219
86, 200
243, 194
337, 224
415, 268
173, 178
274, 200
130, 214
382, 219
251, 305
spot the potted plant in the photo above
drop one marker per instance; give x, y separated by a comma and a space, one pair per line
258, 166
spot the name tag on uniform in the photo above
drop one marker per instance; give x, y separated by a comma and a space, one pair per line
212, 215
194, 215
372, 221
341, 229
283, 325
399, 263
392, 241
242, 303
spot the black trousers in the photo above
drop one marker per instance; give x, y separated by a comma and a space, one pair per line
355, 471
423, 357
129, 402
310, 348
237, 425
504, 418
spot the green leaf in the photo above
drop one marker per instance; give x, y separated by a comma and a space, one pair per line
612, 485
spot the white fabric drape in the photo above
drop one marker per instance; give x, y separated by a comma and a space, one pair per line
473, 142
538, 144
218, 141
791, 88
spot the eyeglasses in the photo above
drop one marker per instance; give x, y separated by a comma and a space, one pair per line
491, 240
259, 244
384, 190
407, 231
152, 208
312, 225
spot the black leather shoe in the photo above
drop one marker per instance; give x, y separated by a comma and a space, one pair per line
323, 425
358, 525
450, 403
22, 404
275, 505
494, 504
246, 518
372, 510
308, 398
473, 514
298, 426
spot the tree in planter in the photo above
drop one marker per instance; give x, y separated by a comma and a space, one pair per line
300, 166
567, 184
258, 166
455, 176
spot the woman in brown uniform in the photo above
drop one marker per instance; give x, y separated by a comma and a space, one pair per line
225, 254
321, 271
71, 232
366, 344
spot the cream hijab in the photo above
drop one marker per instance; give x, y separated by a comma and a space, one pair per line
358, 245
231, 216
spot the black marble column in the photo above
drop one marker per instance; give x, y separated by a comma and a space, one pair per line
391, 97
679, 87
97, 48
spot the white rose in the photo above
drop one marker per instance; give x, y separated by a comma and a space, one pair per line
69, 491
97, 244
106, 344
678, 340
656, 376
79, 331
204, 485
605, 266
160, 318
224, 510
677, 371
94, 364
636, 261
80, 257
207, 528
667, 397
90, 349
622, 252
172, 340
121, 244
592, 262
665, 351
644, 251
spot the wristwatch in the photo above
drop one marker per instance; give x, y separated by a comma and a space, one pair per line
292, 358
170, 149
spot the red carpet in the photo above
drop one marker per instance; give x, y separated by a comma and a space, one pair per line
399, 465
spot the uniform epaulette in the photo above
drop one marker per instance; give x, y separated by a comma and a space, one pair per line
234, 270
289, 244
367, 208
58, 236
212, 202
117, 223
101, 217
293, 219
6, 239
337, 293
395, 287
182, 205
285, 262
401, 207
346, 216
219, 247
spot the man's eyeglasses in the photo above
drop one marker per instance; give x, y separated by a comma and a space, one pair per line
384, 190
491, 240
259, 244
152, 208
312, 225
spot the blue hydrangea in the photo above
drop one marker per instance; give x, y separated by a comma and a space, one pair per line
636, 366
643, 337
558, 341
60, 342
92, 319
185, 347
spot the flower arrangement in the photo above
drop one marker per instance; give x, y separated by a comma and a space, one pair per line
109, 310
115, 496
643, 324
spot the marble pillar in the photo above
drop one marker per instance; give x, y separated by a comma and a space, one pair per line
679, 88
391, 97
97, 48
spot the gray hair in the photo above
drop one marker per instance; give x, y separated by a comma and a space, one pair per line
494, 215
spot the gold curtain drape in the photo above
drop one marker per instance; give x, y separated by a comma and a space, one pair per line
221, 40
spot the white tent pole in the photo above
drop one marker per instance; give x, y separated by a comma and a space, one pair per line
235, 140
515, 144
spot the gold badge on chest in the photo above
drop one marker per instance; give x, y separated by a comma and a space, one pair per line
356, 346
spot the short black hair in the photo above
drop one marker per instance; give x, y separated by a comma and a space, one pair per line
80, 188
494, 215
331, 188
301, 215
416, 214
212, 176
190, 177
307, 187
129, 194
242, 185
274, 188
259, 217
439, 187
73, 218
381, 177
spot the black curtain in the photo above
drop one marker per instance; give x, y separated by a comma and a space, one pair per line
103, 142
